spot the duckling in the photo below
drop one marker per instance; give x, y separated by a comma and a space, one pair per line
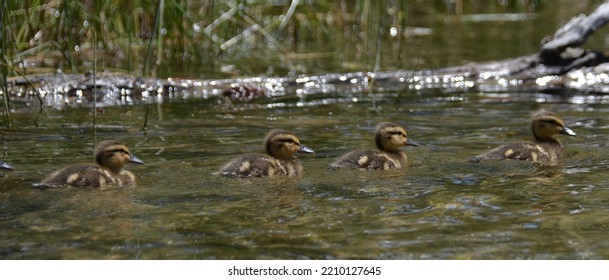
280, 145
389, 138
4, 165
546, 150
110, 157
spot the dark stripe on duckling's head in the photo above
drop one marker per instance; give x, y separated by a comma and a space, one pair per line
283, 144
391, 136
546, 125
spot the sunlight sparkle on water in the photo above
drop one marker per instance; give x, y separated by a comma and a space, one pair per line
393, 32
196, 27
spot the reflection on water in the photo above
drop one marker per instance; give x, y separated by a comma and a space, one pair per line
441, 207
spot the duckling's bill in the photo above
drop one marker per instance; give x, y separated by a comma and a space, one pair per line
305, 150
567, 131
410, 142
134, 159
4, 165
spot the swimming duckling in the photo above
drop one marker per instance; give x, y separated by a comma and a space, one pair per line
546, 150
110, 157
389, 138
4, 165
281, 145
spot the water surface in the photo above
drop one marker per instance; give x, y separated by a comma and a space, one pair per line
441, 207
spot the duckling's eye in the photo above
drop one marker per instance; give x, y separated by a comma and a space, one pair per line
288, 141
122, 151
544, 123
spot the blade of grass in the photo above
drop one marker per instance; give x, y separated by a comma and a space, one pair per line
253, 25
288, 15
159, 35
155, 30
94, 84
68, 28
4, 68
154, 33
379, 36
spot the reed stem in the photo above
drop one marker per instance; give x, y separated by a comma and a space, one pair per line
69, 22
4, 67
94, 84
156, 30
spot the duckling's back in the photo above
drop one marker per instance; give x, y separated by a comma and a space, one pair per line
545, 153
371, 159
86, 175
258, 165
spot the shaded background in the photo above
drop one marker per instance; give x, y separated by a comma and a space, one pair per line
219, 39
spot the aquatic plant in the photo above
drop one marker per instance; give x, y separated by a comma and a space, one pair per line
148, 37
4, 69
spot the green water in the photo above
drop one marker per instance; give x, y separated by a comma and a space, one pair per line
441, 207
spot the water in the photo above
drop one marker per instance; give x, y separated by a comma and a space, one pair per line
441, 207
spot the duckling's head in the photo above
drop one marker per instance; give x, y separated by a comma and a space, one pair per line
390, 137
547, 124
113, 155
282, 144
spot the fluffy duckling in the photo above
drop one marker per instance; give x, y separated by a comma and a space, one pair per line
389, 138
281, 145
546, 150
4, 165
110, 157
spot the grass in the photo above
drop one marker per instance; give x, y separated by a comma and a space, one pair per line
4, 70
141, 37
216, 39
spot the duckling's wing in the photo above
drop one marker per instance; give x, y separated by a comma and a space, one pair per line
518, 151
75, 176
364, 159
348, 160
522, 151
250, 166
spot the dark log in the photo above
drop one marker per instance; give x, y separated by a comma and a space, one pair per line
572, 34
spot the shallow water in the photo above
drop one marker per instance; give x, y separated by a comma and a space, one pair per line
441, 207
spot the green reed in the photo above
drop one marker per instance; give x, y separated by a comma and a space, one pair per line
4, 68
95, 86
158, 22
133, 34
